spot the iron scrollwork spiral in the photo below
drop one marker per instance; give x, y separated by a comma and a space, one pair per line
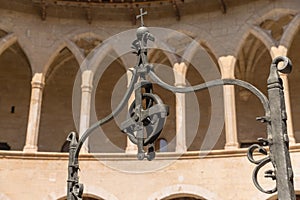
261, 163
277, 141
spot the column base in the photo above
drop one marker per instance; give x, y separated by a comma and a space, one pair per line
181, 149
30, 149
131, 150
231, 146
84, 150
292, 140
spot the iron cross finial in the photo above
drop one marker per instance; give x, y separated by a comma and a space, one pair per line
141, 16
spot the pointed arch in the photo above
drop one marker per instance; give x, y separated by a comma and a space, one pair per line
195, 45
56, 112
86, 34
290, 32
262, 36
7, 41
253, 58
259, 34
178, 189
64, 45
270, 12
168, 52
16, 75
75, 50
108, 88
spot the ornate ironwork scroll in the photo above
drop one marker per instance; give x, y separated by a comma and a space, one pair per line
277, 140
147, 115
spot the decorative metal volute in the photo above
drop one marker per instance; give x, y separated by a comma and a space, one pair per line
277, 141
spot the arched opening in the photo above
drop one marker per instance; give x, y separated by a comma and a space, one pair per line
202, 68
15, 88
85, 197
294, 86
161, 145
108, 94
163, 68
253, 66
56, 113
183, 197
276, 27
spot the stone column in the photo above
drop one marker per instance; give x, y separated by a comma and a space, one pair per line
227, 64
180, 70
130, 148
37, 85
85, 109
282, 51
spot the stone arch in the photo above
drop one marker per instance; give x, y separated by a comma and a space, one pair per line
262, 36
7, 41
16, 74
196, 191
202, 37
290, 32
270, 12
66, 44
259, 34
253, 58
214, 45
108, 90
85, 34
75, 50
89, 190
56, 112
203, 67
170, 55
251, 25
195, 44
163, 67
199, 36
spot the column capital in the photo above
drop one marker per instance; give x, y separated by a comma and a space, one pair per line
38, 81
227, 64
87, 81
180, 70
278, 51
129, 75
282, 51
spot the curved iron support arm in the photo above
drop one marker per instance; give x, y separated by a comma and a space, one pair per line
115, 112
75, 189
213, 83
